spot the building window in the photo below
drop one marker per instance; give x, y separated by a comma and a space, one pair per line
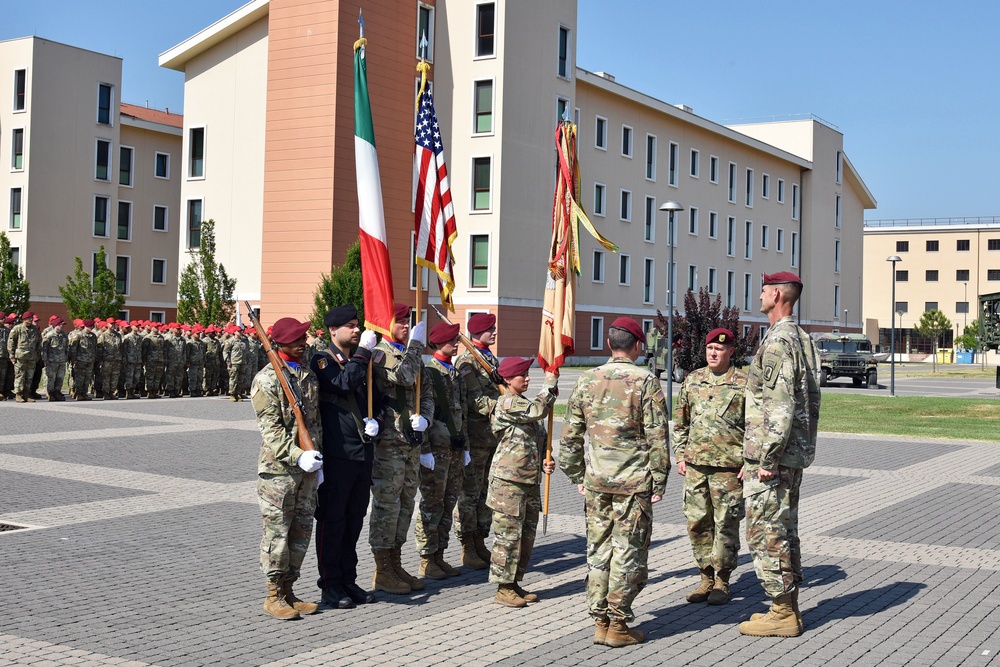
840, 166
425, 30
693, 221
730, 289
197, 153
626, 141
94, 266
713, 225
194, 223
650, 157
101, 205
747, 290
15, 256
562, 108
748, 245
902, 307
598, 274
672, 170
157, 316
779, 242
102, 171
647, 280
932, 246
993, 244
20, 88
483, 120
485, 29
624, 269
732, 181
930, 305
931, 275
713, 286
601, 133
795, 249
692, 278
765, 186
902, 246
126, 155
962, 275
993, 274
764, 237
159, 275
121, 274
962, 307
836, 255
124, 221
749, 192
424, 271
596, 333
731, 236
481, 167
105, 103
15, 208
159, 218
479, 277
162, 165
695, 163
649, 232
781, 191
626, 206
563, 68
902, 276
17, 150
599, 198
713, 169
795, 201
836, 222
962, 245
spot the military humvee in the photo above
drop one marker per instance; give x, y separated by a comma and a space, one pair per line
846, 355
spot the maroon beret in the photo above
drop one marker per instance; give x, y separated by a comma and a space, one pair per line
52, 319
781, 278
88, 322
444, 332
401, 312
288, 330
11, 318
480, 322
512, 367
720, 335
629, 325
3, 315
27, 315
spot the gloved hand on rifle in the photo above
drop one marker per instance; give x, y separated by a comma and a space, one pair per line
368, 339
419, 333
466, 458
371, 427
418, 423
427, 461
310, 461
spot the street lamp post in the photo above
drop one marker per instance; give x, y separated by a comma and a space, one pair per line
892, 311
671, 207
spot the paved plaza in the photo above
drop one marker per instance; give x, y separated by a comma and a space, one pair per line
142, 550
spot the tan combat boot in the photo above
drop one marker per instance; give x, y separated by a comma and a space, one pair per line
601, 630
275, 604
470, 558
780, 621
298, 605
508, 597
795, 606
525, 595
479, 541
429, 568
443, 564
619, 635
385, 578
20, 398
720, 593
701, 593
397, 566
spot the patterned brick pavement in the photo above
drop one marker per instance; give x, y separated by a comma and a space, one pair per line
144, 528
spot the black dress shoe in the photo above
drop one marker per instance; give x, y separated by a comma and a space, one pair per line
358, 594
337, 598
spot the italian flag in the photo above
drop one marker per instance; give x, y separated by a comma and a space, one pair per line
376, 273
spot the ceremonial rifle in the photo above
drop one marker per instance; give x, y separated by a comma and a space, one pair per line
470, 346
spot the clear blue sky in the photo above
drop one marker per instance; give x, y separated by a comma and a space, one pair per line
914, 86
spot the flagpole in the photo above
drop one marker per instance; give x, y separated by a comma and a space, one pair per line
422, 68
548, 477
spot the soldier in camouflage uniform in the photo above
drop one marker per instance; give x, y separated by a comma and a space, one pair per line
708, 446
131, 362
399, 454
474, 517
7, 389
448, 441
82, 353
55, 354
287, 472
620, 407
255, 357
4, 354
154, 354
194, 354
782, 415
515, 475
109, 356
237, 355
173, 372
213, 359
24, 345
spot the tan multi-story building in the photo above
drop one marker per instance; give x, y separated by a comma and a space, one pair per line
82, 170
758, 197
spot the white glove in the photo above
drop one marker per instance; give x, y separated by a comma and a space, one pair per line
310, 461
427, 461
368, 339
418, 423
371, 427
419, 333
466, 459
319, 478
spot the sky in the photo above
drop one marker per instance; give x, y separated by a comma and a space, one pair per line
913, 85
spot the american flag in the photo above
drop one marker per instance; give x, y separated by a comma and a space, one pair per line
435, 213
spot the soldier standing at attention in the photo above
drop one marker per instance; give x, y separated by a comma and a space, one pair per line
153, 354
55, 353
515, 476
620, 407
782, 415
36, 378
25, 347
398, 455
82, 352
194, 355
4, 355
474, 517
131, 361
237, 353
213, 358
448, 441
708, 446
109, 354
286, 474
173, 372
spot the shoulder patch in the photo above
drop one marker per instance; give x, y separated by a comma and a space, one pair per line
378, 356
465, 370
508, 402
322, 363
658, 395
254, 389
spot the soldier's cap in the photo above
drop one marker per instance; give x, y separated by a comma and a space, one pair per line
319, 333
88, 322
27, 315
512, 367
11, 319
781, 278
629, 325
401, 312
3, 315
53, 318
444, 332
341, 315
78, 322
481, 322
720, 335
288, 330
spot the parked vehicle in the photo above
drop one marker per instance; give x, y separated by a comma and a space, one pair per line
847, 355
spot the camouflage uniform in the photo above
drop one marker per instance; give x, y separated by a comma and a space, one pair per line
213, 359
194, 355
153, 354
173, 373
109, 355
82, 352
25, 347
396, 472
708, 434
4, 360
132, 362
254, 354
620, 407
514, 478
474, 517
782, 414
286, 494
55, 354
237, 354
448, 441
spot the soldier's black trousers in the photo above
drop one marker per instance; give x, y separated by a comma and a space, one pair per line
340, 516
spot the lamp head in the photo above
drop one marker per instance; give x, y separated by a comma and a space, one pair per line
671, 206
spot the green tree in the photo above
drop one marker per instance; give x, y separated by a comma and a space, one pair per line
205, 291
98, 296
15, 294
702, 313
340, 287
932, 324
969, 340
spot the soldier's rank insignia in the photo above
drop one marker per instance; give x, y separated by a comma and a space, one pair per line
659, 395
379, 356
322, 363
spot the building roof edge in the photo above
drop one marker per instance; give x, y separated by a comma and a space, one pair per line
177, 57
